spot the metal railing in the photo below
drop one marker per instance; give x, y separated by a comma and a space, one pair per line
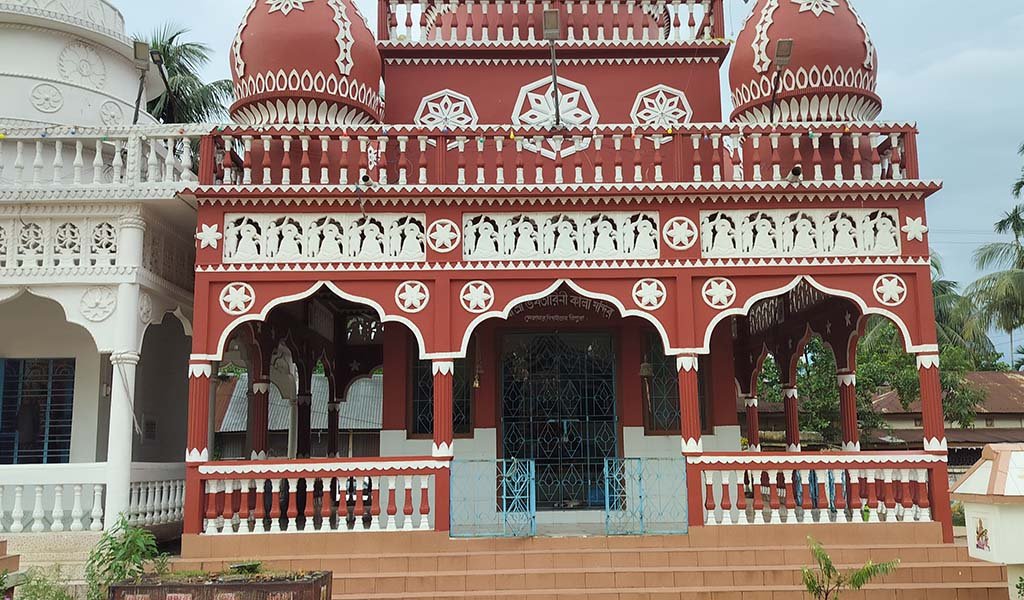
493, 498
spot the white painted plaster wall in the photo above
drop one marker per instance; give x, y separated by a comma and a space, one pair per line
161, 392
35, 328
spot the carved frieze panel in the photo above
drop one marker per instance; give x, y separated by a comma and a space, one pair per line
561, 236
799, 233
324, 238
57, 242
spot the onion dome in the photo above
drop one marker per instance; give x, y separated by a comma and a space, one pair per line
832, 74
305, 62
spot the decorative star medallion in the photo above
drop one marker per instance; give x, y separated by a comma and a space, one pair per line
817, 6
286, 6
443, 235
649, 294
208, 236
355, 366
719, 293
661, 107
412, 296
890, 290
915, 229
477, 296
237, 298
680, 233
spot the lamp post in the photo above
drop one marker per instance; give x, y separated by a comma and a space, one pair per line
553, 33
783, 56
142, 59
158, 60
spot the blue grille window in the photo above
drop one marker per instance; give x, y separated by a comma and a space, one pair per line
422, 414
36, 397
660, 392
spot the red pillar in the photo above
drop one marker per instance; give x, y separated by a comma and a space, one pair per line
444, 371
197, 450
259, 422
753, 424
791, 404
848, 410
692, 446
935, 440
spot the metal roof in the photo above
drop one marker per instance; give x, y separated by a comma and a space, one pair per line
362, 409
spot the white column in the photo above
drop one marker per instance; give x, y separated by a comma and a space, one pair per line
124, 360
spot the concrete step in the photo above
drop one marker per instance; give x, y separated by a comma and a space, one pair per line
8, 563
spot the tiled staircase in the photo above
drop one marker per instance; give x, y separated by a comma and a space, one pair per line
714, 563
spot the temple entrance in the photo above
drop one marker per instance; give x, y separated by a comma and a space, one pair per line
558, 408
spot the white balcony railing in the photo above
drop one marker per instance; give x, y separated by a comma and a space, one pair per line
70, 497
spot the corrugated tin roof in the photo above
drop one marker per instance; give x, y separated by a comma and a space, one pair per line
362, 409
1004, 395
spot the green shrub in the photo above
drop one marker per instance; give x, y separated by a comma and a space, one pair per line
826, 582
122, 554
1020, 588
48, 584
959, 518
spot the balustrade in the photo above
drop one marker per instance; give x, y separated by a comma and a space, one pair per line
94, 157
519, 21
320, 496
796, 488
612, 154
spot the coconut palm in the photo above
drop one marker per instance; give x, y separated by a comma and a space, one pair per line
999, 296
1018, 186
189, 99
826, 582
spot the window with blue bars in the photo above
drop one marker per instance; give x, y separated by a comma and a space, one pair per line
36, 397
422, 404
660, 380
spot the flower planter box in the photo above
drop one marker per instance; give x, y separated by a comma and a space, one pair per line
312, 586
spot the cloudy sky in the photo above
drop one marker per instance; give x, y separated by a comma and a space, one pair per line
957, 68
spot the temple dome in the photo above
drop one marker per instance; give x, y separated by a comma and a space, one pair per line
833, 71
305, 62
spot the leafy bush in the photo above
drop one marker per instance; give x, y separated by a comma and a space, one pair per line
48, 584
827, 582
959, 518
1020, 588
122, 554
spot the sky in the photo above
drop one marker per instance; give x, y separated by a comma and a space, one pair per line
954, 67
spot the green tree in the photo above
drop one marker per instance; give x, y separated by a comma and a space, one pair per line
825, 582
189, 99
999, 296
1018, 186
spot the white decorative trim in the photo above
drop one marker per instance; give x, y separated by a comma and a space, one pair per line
817, 6
754, 448
793, 448
260, 388
344, 37
890, 290
446, 109
761, 39
687, 363
863, 459
535, 108
208, 236
98, 303
195, 371
692, 446
650, 294
680, 233
195, 455
790, 392
268, 468
927, 361
237, 298
443, 367
935, 445
301, 112
915, 229
849, 379
261, 455
870, 54
236, 47
538, 62
719, 293
444, 235
442, 451
851, 446
750, 401
661, 107
285, 7
477, 297
412, 296
858, 107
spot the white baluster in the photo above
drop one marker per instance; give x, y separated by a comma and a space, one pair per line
903, 476
692, 26
186, 161
423, 168
162, 490
38, 514
520, 174
460, 142
97, 508
638, 170
382, 148
923, 514
480, 179
776, 167
343, 174
499, 163
37, 165
293, 499
79, 165
716, 144
1, 180
77, 512
538, 174
876, 169
18, 510
424, 518
599, 167
894, 143
3, 514
858, 171
57, 514
617, 141
58, 163
19, 162
97, 163
757, 477
169, 162
407, 520
727, 516
266, 161
403, 174
133, 505
304, 141
152, 162
147, 502
117, 162
286, 173
755, 143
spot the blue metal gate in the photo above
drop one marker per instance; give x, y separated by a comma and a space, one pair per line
645, 496
493, 498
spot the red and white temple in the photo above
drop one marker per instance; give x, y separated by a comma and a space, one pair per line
560, 281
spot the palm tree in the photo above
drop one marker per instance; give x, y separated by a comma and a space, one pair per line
1018, 186
826, 582
999, 296
189, 99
